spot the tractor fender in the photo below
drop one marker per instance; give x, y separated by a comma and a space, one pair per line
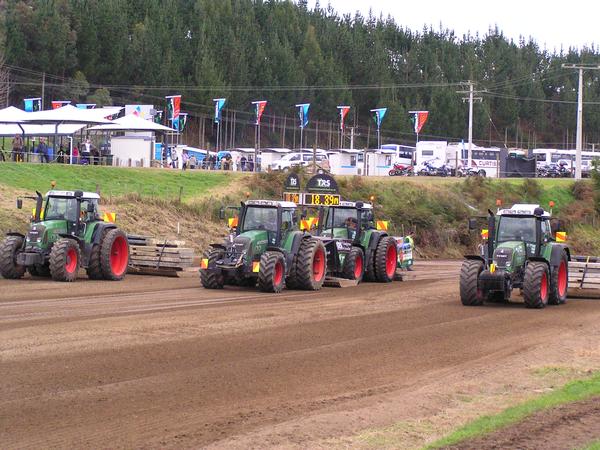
15, 233
556, 254
475, 258
538, 259
98, 231
373, 243
219, 246
297, 241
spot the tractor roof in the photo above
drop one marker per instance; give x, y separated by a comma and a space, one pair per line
271, 203
54, 193
344, 204
522, 209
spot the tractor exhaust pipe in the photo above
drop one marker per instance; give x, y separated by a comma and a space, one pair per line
39, 202
491, 237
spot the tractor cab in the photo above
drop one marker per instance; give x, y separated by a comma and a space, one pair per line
266, 220
347, 220
71, 211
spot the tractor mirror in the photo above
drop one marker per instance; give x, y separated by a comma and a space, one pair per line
78, 194
222, 214
90, 208
359, 205
304, 214
19, 203
472, 224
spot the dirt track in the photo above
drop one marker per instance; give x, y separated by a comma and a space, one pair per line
154, 362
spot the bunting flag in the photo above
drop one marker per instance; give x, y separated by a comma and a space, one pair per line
60, 103
32, 104
174, 108
260, 108
182, 121
303, 114
219, 103
158, 116
86, 105
418, 119
343, 113
379, 115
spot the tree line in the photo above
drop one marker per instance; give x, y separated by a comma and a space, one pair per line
138, 51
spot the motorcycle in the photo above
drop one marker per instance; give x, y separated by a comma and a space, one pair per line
401, 170
431, 171
470, 172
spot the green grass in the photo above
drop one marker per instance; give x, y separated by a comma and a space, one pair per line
592, 446
114, 181
571, 392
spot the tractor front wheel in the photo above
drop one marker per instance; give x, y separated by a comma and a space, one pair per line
212, 279
311, 265
386, 256
536, 286
64, 260
271, 273
470, 294
559, 281
9, 249
354, 265
114, 255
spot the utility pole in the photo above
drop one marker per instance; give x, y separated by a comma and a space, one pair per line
470, 99
579, 145
43, 88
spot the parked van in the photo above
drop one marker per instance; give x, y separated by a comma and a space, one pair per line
300, 159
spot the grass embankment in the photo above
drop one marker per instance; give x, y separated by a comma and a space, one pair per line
571, 392
147, 201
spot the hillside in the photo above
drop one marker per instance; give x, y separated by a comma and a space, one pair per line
147, 202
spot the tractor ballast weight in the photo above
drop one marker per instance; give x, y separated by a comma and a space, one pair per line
265, 247
62, 238
520, 252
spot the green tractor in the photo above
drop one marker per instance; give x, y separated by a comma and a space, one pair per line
266, 247
364, 249
521, 252
65, 234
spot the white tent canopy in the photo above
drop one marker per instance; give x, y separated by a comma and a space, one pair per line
71, 114
131, 122
13, 115
26, 129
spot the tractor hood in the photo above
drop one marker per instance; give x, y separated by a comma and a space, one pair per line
254, 241
509, 255
43, 233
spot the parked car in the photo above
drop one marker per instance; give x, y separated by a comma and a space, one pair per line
300, 159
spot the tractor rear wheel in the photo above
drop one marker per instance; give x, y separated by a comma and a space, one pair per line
94, 268
212, 279
536, 285
311, 265
9, 248
559, 281
386, 257
65, 260
271, 274
470, 294
354, 265
114, 255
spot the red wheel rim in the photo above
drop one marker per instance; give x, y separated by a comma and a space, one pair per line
71, 263
562, 279
319, 264
278, 275
358, 267
544, 287
119, 256
390, 261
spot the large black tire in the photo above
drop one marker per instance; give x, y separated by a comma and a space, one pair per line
470, 294
9, 248
39, 270
271, 274
114, 255
536, 285
354, 265
212, 279
559, 281
94, 268
386, 259
311, 265
65, 259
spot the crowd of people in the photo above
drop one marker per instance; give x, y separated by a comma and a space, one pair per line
84, 153
184, 161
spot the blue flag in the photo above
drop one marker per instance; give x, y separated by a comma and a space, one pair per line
303, 114
379, 115
219, 103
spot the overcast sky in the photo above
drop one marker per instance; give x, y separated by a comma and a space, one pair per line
551, 23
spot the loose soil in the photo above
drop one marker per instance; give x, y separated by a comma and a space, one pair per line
163, 363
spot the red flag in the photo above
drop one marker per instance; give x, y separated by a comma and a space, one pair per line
343, 113
260, 108
59, 103
419, 119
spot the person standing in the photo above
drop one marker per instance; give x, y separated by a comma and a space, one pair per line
185, 158
42, 150
174, 159
76, 153
17, 148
